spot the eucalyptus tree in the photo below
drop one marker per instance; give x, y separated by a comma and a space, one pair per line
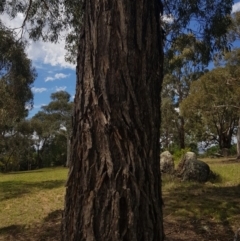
207, 20
211, 108
113, 189
232, 63
234, 28
51, 121
17, 150
183, 64
61, 110
16, 78
195, 32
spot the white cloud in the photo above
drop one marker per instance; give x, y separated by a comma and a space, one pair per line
49, 79
60, 88
38, 106
168, 18
60, 76
56, 76
48, 53
236, 7
38, 90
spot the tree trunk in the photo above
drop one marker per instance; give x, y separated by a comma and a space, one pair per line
225, 141
238, 140
182, 133
68, 151
114, 190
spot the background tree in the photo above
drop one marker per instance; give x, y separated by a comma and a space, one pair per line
184, 63
17, 152
210, 108
61, 109
195, 32
52, 121
232, 63
207, 20
16, 78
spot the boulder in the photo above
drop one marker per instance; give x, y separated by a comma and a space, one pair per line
166, 162
192, 169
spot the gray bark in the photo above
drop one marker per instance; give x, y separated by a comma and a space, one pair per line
114, 190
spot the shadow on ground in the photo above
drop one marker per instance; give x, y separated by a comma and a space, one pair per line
199, 212
13, 189
49, 230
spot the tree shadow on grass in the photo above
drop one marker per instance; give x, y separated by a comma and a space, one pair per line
48, 230
13, 189
24, 172
201, 212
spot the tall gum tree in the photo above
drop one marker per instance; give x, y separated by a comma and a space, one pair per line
114, 189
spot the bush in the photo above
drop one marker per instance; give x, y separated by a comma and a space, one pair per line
233, 150
211, 151
178, 154
193, 147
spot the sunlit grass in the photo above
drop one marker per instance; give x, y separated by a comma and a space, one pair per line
216, 200
31, 202
27, 197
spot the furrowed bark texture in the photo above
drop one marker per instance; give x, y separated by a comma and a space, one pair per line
113, 189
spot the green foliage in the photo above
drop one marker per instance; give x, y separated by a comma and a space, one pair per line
195, 33
193, 147
233, 150
209, 20
210, 109
53, 129
234, 28
49, 20
212, 151
179, 153
16, 78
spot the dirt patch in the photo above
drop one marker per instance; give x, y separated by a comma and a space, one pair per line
49, 230
224, 161
197, 230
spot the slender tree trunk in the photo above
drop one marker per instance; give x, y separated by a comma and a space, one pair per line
225, 142
113, 189
68, 151
182, 133
238, 140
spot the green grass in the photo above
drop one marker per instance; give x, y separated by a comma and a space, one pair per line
27, 198
31, 204
215, 204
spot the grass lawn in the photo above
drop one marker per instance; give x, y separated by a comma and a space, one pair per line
209, 211
31, 205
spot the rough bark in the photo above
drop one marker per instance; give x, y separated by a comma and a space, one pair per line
113, 190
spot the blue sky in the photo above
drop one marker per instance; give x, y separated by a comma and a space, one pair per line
54, 73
